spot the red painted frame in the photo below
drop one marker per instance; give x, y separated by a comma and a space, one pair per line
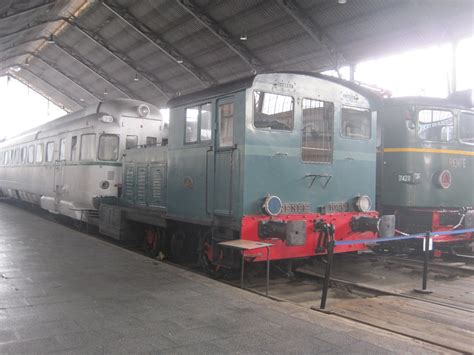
279, 250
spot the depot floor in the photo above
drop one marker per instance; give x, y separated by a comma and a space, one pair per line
63, 291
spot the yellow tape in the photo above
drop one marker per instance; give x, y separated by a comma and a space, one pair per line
428, 150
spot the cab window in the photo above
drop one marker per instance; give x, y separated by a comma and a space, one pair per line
356, 123
226, 125
73, 148
49, 152
466, 128
273, 111
131, 142
435, 125
39, 153
88, 149
108, 147
318, 122
198, 124
151, 141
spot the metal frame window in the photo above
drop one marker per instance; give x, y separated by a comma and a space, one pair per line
88, 147
39, 153
435, 125
198, 124
318, 131
273, 111
62, 149
466, 128
49, 152
73, 148
356, 123
108, 147
226, 125
31, 154
131, 142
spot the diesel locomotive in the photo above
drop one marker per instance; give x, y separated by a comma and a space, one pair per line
284, 158
68, 165
425, 165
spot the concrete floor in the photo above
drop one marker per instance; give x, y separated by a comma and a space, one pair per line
63, 291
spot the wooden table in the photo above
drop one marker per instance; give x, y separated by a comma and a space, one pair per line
244, 245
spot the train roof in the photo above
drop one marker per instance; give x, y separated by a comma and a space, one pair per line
452, 102
113, 107
241, 84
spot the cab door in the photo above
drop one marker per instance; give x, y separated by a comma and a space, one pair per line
225, 156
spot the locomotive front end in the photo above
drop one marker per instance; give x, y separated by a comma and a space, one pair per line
309, 167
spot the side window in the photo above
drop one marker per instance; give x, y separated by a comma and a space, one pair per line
49, 152
356, 123
151, 141
318, 123
435, 125
198, 126
88, 149
31, 154
39, 153
131, 142
273, 111
108, 147
62, 149
226, 125
23, 155
73, 148
17, 156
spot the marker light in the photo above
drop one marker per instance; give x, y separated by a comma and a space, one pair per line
143, 110
272, 205
363, 203
106, 119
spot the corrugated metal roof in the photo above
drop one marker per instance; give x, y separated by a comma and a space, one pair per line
104, 45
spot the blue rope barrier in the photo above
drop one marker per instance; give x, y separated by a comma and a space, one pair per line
403, 237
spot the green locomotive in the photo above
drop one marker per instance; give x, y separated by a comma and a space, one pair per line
425, 165
284, 158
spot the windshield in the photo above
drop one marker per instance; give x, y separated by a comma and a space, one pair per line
466, 128
435, 125
273, 111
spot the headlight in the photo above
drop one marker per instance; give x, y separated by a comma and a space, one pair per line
443, 179
143, 110
363, 203
272, 205
104, 185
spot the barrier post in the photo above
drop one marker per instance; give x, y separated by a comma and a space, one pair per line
427, 246
327, 275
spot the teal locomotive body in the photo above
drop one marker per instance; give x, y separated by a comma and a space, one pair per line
426, 165
285, 158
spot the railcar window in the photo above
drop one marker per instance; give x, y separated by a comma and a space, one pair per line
31, 154
151, 141
49, 152
39, 153
435, 125
73, 148
62, 149
191, 128
466, 128
318, 122
23, 155
17, 156
206, 131
226, 125
108, 147
356, 123
88, 148
131, 142
273, 111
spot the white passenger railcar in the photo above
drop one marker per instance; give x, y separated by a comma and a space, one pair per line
69, 164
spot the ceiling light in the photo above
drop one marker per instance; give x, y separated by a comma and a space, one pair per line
15, 68
27, 62
341, 2
51, 39
106, 92
180, 61
81, 99
243, 36
135, 78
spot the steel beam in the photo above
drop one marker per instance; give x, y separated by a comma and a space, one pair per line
314, 30
51, 85
147, 33
19, 44
39, 92
227, 38
99, 41
14, 14
29, 27
52, 66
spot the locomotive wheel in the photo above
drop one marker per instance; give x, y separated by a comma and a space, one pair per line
153, 241
205, 255
177, 245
